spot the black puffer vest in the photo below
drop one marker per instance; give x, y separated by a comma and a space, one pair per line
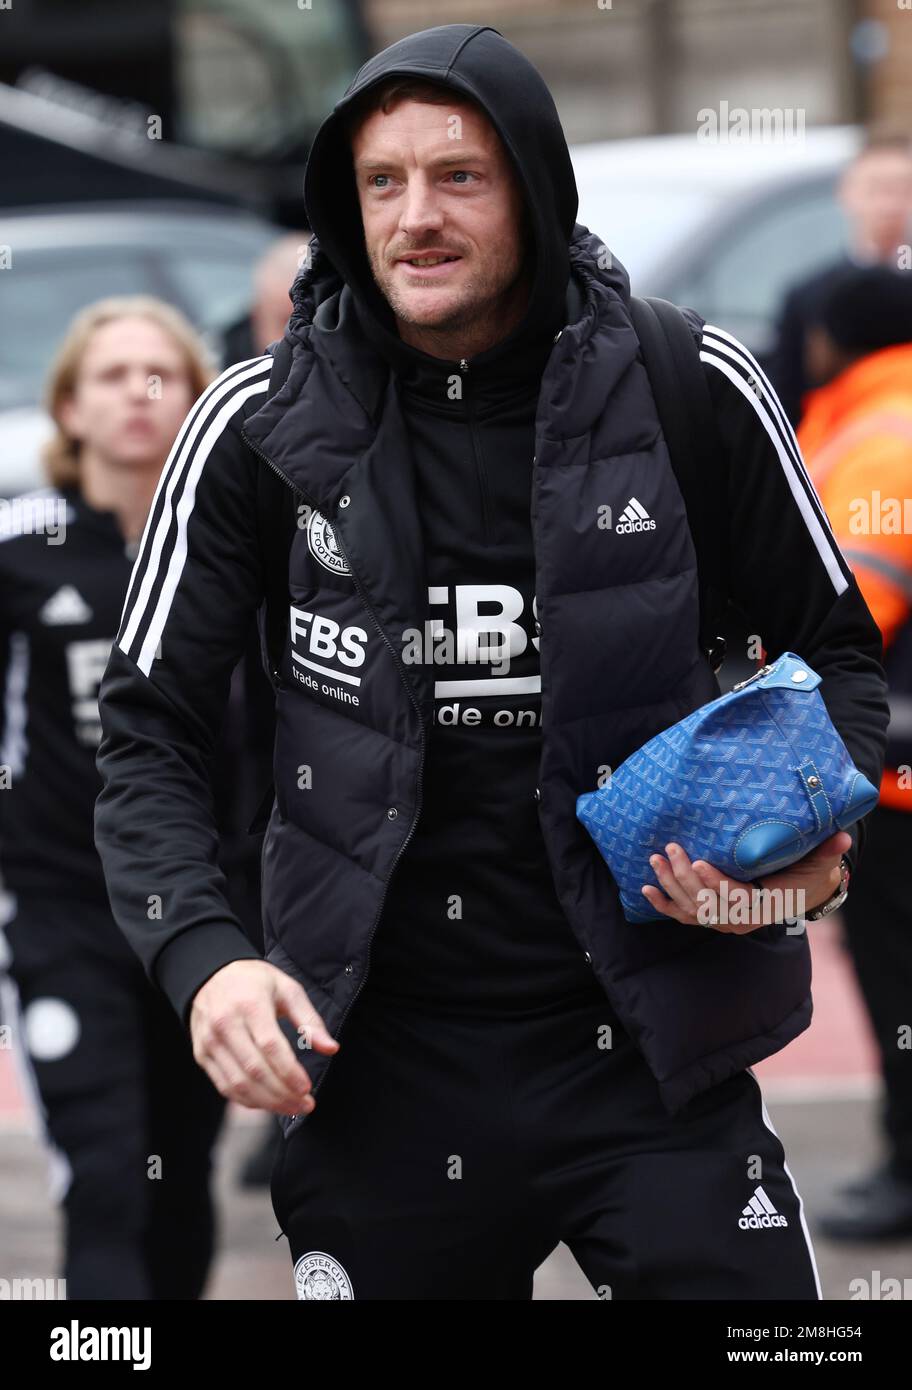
620, 660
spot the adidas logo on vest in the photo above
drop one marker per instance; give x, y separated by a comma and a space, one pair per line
760, 1213
635, 517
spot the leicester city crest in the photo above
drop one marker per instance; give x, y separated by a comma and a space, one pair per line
321, 541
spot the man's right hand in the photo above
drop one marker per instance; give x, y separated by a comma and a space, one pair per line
241, 1048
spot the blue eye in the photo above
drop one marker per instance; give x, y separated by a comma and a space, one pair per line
374, 177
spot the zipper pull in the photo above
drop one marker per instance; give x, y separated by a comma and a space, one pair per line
764, 671
463, 364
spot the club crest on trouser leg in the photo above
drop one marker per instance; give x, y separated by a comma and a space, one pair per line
318, 1276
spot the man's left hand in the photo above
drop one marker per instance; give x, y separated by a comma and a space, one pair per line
692, 890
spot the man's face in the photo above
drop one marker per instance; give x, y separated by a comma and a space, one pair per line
132, 394
876, 194
437, 179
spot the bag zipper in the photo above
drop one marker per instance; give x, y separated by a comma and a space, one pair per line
311, 503
479, 462
763, 671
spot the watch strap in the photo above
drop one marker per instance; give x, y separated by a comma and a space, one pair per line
835, 899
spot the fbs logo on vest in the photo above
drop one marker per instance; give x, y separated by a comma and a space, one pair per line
329, 654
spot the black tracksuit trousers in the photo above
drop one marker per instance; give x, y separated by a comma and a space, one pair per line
130, 1117
878, 920
447, 1157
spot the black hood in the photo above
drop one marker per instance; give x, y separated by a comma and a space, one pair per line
477, 61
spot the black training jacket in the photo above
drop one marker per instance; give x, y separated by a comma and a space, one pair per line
615, 621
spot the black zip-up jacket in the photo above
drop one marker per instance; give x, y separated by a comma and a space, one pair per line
610, 646
64, 571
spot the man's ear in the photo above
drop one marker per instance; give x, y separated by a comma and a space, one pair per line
68, 416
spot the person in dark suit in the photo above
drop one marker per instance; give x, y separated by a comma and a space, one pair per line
875, 193
265, 321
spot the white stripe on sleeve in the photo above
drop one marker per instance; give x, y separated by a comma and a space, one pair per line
206, 423
816, 521
718, 340
168, 476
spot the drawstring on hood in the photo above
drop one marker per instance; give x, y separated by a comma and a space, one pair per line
475, 61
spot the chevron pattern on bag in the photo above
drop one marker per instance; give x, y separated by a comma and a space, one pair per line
725, 780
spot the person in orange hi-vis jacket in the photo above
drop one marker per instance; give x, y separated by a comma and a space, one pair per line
856, 438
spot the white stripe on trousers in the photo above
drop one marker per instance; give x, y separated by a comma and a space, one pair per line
788, 1173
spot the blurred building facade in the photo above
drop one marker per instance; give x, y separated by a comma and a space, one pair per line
646, 67
888, 24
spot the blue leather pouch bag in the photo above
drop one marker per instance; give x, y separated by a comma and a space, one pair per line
750, 782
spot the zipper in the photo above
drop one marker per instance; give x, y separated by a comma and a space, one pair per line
764, 671
359, 586
285, 479
479, 461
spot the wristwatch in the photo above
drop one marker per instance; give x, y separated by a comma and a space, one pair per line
825, 908
838, 898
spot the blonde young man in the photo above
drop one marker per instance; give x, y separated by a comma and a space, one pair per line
131, 1119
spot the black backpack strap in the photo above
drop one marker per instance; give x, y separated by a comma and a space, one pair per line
672, 361
276, 519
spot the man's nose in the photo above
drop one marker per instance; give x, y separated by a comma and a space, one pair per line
421, 209
139, 385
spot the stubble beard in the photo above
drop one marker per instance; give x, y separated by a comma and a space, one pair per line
480, 304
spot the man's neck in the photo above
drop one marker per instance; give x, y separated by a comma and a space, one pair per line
867, 251
468, 340
127, 492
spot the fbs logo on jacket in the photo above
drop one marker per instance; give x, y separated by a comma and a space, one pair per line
325, 649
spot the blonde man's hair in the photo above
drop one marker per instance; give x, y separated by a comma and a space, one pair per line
60, 455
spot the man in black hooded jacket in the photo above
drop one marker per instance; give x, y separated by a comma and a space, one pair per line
496, 1090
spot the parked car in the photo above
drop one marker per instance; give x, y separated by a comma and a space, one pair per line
725, 226
195, 256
